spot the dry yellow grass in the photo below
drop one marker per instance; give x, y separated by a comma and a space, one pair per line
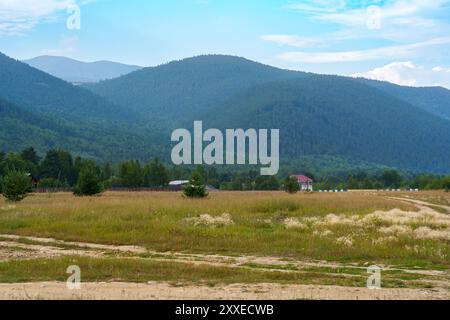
335, 227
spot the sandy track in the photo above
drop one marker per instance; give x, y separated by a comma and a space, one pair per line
166, 291
48, 248
422, 203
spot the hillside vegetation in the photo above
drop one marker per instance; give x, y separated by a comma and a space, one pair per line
319, 116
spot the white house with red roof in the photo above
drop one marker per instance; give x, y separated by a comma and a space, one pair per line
306, 183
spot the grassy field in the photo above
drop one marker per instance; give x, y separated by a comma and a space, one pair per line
353, 229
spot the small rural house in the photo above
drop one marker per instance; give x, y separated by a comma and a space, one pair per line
306, 183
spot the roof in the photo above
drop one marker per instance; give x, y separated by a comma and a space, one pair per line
302, 178
178, 183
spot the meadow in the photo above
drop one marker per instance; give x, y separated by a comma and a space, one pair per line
230, 237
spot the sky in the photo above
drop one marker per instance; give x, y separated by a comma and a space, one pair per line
401, 41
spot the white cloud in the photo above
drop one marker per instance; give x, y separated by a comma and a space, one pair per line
395, 20
290, 40
392, 12
18, 16
361, 55
409, 74
318, 6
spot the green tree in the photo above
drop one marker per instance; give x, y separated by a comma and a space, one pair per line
446, 184
12, 162
391, 179
196, 187
16, 185
58, 164
267, 183
30, 155
107, 171
89, 180
291, 185
131, 174
50, 183
213, 177
156, 174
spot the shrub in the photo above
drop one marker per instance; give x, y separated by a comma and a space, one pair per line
196, 188
89, 180
16, 185
291, 185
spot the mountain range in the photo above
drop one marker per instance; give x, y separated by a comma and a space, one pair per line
37, 109
132, 116
75, 71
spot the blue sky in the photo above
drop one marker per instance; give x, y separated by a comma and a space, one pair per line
402, 41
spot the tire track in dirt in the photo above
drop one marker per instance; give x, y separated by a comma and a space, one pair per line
50, 247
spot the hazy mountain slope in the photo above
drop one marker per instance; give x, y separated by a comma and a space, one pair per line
40, 92
183, 89
20, 129
318, 115
435, 100
180, 90
79, 72
328, 115
46, 112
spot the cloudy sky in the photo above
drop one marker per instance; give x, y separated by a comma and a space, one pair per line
402, 41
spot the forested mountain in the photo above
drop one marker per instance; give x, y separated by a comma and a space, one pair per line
181, 90
20, 128
75, 71
435, 100
40, 110
328, 115
40, 92
132, 116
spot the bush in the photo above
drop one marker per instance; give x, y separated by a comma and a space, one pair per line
291, 185
196, 188
16, 185
89, 181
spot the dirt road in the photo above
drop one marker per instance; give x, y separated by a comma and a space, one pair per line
166, 291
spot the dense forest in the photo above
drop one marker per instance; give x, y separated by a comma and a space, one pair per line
58, 169
432, 99
319, 117
350, 120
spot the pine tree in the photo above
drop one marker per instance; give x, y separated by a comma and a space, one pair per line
291, 185
196, 187
16, 185
89, 180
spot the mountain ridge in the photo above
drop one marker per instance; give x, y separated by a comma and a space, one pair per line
134, 115
76, 71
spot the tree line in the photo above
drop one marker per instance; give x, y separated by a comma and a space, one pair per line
59, 169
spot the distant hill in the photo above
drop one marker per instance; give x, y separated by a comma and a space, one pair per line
38, 91
318, 115
336, 116
435, 100
37, 109
180, 90
203, 81
75, 71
